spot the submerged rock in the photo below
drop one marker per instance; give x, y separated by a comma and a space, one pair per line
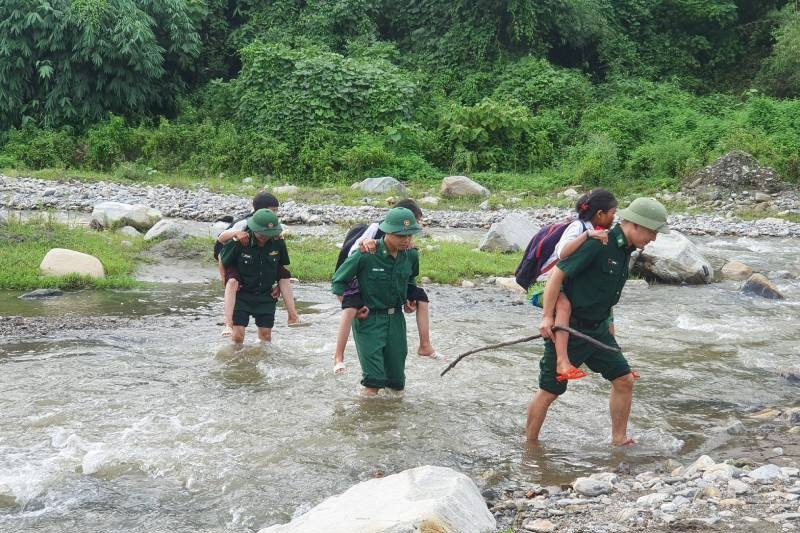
759, 285
673, 258
41, 293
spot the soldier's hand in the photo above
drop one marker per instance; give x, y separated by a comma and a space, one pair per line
546, 327
362, 313
276, 292
368, 246
244, 238
340, 298
410, 306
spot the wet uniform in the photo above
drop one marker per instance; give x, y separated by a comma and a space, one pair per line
594, 277
380, 338
259, 268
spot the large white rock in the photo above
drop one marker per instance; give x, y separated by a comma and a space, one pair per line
139, 216
509, 235
165, 229
673, 258
427, 498
61, 262
381, 185
458, 186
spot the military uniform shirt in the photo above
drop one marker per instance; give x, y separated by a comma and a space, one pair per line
595, 274
382, 279
257, 265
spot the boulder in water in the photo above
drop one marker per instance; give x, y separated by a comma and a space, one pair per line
427, 498
759, 285
736, 270
673, 258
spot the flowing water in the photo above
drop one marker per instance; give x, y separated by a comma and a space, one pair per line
159, 425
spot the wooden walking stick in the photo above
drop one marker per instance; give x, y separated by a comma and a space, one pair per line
568, 329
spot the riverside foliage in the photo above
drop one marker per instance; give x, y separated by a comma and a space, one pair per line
597, 92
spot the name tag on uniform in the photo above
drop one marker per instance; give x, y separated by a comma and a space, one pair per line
274, 252
247, 256
611, 261
378, 269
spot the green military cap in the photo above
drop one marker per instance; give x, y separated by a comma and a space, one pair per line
265, 222
648, 213
400, 221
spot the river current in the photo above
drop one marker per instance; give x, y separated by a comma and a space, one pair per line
160, 425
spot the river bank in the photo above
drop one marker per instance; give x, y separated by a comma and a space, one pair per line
202, 205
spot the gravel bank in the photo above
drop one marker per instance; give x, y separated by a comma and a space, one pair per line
735, 495
202, 205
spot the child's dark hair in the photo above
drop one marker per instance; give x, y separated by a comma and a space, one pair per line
264, 200
411, 205
595, 200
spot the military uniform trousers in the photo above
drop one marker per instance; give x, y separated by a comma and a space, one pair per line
382, 348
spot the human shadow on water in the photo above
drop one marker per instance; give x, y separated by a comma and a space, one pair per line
240, 363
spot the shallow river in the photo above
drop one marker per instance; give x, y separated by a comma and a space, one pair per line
161, 426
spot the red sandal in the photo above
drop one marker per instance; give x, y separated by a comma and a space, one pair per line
572, 373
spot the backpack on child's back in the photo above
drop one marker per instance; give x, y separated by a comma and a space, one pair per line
539, 249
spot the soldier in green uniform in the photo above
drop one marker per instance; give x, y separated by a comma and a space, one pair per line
258, 263
592, 278
383, 278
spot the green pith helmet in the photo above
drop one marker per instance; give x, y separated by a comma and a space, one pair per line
648, 213
400, 221
265, 222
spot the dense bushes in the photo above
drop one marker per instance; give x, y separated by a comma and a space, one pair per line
593, 91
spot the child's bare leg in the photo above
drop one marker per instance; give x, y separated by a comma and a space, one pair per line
221, 270
265, 334
285, 286
231, 289
345, 323
424, 327
563, 312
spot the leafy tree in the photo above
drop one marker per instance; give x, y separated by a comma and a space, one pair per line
71, 62
780, 73
289, 92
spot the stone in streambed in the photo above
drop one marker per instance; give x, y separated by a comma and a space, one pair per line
41, 293
592, 487
759, 285
427, 498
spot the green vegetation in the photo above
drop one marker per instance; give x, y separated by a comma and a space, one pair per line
522, 95
23, 245
313, 259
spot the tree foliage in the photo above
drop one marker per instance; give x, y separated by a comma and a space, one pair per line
71, 62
